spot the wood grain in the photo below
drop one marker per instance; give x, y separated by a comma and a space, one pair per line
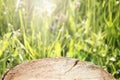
57, 69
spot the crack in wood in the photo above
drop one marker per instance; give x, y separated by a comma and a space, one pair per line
75, 63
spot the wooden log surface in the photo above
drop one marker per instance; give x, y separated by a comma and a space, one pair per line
57, 69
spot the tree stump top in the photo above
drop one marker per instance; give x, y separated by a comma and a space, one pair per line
57, 69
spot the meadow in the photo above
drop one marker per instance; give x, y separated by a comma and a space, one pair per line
87, 30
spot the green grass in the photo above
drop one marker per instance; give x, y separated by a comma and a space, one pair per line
87, 31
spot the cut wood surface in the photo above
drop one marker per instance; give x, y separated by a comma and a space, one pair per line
57, 69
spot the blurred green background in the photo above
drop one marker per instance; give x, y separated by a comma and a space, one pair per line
88, 30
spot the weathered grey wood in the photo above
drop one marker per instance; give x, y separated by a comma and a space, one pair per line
57, 69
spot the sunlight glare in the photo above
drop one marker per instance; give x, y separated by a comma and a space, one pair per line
44, 7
